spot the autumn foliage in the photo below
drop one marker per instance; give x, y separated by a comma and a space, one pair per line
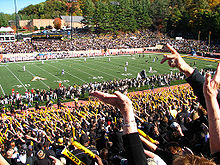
57, 23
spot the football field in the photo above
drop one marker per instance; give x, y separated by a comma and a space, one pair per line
48, 74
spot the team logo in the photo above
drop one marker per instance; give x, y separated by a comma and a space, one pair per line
35, 78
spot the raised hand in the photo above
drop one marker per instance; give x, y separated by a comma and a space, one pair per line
175, 60
210, 87
210, 90
119, 101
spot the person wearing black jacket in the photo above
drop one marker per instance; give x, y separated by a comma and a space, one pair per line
193, 77
84, 140
207, 92
132, 144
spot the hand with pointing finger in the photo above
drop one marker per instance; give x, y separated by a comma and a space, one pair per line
211, 86
175, 60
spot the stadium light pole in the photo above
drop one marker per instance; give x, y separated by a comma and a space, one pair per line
209, 40
199, 39
16, 19
71, 20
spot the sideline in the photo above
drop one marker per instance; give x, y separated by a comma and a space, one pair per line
2, 89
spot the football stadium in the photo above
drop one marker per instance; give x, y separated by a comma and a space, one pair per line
85, 70
87, 82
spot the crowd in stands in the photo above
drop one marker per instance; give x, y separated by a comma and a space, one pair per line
174, 124
24, 101
81, 41
51, 130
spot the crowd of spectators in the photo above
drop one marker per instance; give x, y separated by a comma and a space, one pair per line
82, 41
30, 97
173, 118
173, 123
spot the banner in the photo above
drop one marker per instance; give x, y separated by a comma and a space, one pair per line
84, 149
67, 153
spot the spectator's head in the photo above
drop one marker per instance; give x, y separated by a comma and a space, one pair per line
84, 140
60, 141
192, 160
12, 144
41, 154
174, 125
30, 147
29, 153
47, 145
174, 148
104, 153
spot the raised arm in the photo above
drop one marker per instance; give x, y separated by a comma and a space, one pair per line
193, 77
124, 104
175, 60
3, 161
131, 140
210, 90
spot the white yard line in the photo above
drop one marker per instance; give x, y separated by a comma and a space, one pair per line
130, 70
101, 72
2, 89
69, 73
51, 74
130, 66
16, 78
34, 75
80, 70
39, 80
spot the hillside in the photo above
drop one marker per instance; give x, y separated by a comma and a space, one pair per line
49, 9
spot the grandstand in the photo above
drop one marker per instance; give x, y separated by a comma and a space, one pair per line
50, 72
96, 82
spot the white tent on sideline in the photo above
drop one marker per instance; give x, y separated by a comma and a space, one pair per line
6, 29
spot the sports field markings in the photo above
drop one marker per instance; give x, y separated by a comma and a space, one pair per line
105, 63
150, 62
101, 72
2, 89
80, 70
16, 78
51, 74
132, 66
136, 71
92, 69
34, 76
68, 73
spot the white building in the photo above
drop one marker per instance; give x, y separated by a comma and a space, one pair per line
7, 34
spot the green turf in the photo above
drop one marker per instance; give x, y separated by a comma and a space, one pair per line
77, 71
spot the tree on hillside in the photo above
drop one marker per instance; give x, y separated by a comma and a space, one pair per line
88, 10
141, 12
159, 12
171, 16
57, 23
49, 9
4, 18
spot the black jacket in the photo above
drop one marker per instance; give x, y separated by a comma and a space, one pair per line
134, 149
196, 81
